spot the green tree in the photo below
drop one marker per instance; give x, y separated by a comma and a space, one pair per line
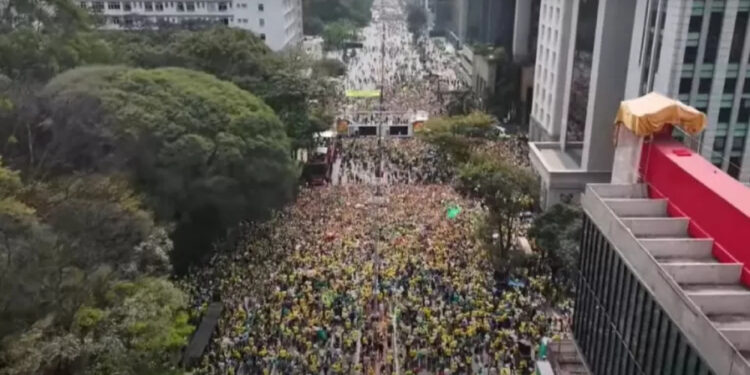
26, 256
100, 220
134, 327
57, 237
457, 137
557, 234
318, 13
506, 191
329, 68
205, 153
240, 57
39, 39
337, 33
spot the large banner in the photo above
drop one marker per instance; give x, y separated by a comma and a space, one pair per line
363, 93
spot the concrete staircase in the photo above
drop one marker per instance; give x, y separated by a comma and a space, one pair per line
714, 287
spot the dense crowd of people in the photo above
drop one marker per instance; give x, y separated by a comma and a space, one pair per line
403, 161
346, 283
414, 76
379, 272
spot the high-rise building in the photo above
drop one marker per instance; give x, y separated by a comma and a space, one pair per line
525, 28
583, 48
592, 54
664, 270
277, 22
488, 22
699, 51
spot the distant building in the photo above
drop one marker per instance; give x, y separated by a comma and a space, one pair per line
277, 22
525, 28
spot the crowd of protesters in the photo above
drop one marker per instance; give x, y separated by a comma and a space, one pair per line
379, 272
346, 283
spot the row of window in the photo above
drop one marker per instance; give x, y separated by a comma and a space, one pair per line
618, 325
704, 85
158, 6
716, 20
129, 21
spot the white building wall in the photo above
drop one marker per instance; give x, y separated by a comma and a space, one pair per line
278, 22
554, 49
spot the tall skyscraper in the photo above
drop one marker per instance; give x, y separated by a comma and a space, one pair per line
583, 49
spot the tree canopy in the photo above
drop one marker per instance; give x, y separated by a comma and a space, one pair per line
505, 189
318, 13
120, 174
205, 152
240, 57
68, 249
557, 234
337, 33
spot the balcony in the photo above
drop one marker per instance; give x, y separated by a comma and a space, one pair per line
563, 177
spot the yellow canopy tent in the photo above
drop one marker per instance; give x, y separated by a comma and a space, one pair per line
649, 114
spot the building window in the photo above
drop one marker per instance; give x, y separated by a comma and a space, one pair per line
714, 33
148, 6
719, 143
685, 85
180, 7
262, 36
724, 115
704, 85
262, 22
190, 7
261, 7
84, 5
729, 85
113, 5
734, 166
127, 7
97, 6
222, 7
743, 113
160, 6
695, 23
690, 54
738, 143
738, 39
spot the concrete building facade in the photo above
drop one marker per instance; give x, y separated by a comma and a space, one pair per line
694, 50
580, 75
277, 22
664, 268
698, 51
551, 67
